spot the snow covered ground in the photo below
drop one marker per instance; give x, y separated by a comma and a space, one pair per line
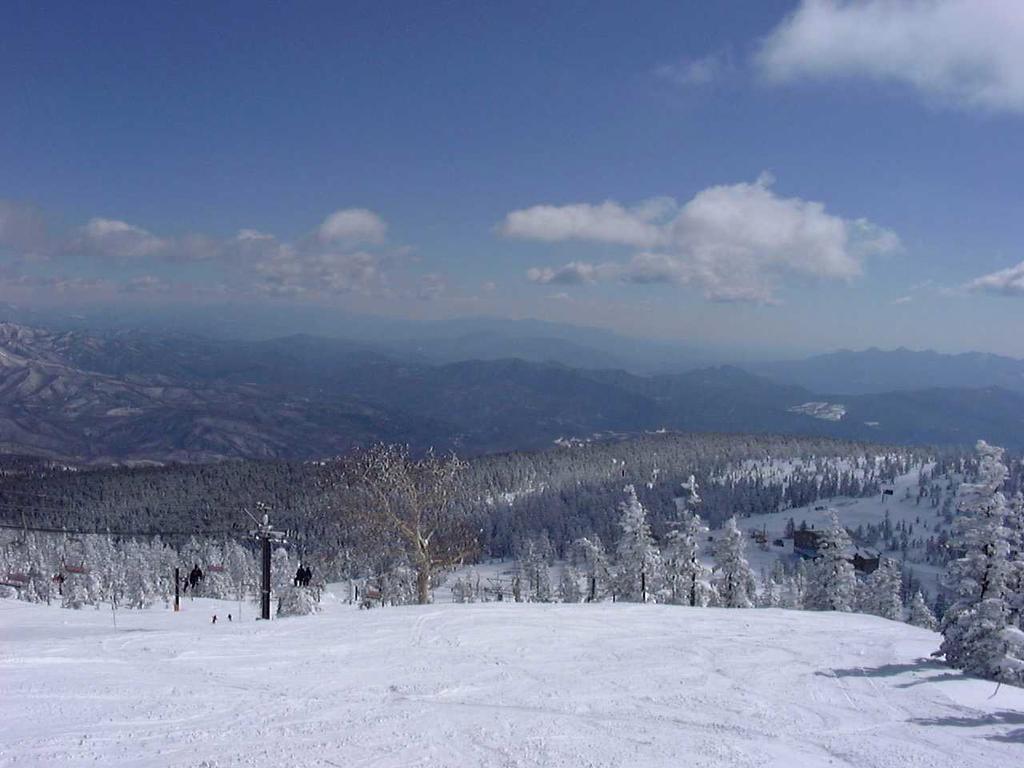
492, 684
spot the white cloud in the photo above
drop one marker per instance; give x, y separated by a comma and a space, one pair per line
345, 254
353, 225
968, 53
607, 222
1005, 282
295, 273
573, 273
735, 242
117, 239
696, 72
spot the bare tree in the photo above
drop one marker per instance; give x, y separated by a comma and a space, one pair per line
397, 498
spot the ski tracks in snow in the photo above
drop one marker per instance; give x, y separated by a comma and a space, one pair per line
489, 685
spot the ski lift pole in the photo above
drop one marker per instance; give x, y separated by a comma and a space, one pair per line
177, 590
265, 586
265, 534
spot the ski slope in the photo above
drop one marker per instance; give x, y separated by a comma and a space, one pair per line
493, 684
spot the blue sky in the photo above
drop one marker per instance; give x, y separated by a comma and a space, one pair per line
794, 175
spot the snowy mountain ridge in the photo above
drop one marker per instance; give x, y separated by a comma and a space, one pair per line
130, 396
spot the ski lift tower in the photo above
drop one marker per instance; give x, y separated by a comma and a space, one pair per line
264, 534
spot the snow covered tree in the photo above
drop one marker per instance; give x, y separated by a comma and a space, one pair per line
832, 581
38, 564
137, 587
733, 577
75, 592
241, 569
589, 555
569, 585
461, 591
920, 614
532, 568
395, 497
163, 560
794, 587
282, 570
881, 592
638, 558
686, 574
216, 579
1015, 541
772, 582
979, 636
99, 561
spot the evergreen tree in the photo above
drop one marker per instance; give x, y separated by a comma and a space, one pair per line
241, 569
920, 614
771, 589
979, 636
882, 591
589, 555
569, 585
832, 582
794, 587
216, 579
1015, 578
137, 586
686, 574
75, 591
733, 577
639, 562
532, 568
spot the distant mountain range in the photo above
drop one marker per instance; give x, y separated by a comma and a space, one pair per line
874, 371
129, 396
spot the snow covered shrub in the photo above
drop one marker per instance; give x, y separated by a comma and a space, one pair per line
398, 586
296, 601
